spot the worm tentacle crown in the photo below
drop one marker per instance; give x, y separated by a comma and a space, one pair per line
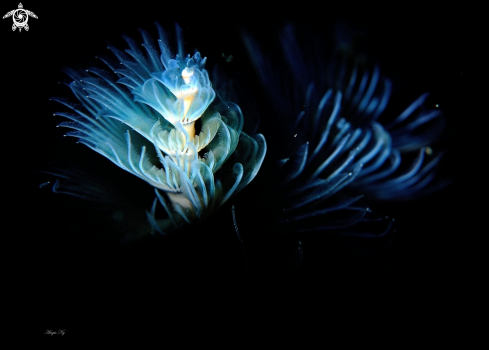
142, 116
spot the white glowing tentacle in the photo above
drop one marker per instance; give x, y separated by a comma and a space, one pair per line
161, 98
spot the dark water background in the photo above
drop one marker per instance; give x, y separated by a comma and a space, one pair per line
59, 281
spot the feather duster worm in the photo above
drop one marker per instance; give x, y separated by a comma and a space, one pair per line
336, 110
155, 117
151, 114
342, 145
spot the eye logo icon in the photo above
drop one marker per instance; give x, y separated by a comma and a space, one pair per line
20, 17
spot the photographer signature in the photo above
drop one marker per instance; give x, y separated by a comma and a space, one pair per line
60, 331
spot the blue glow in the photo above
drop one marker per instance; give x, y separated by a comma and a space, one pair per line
141, 115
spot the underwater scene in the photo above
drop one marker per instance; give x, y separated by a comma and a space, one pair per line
186, 164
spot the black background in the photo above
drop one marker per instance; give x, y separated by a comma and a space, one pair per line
58, 282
